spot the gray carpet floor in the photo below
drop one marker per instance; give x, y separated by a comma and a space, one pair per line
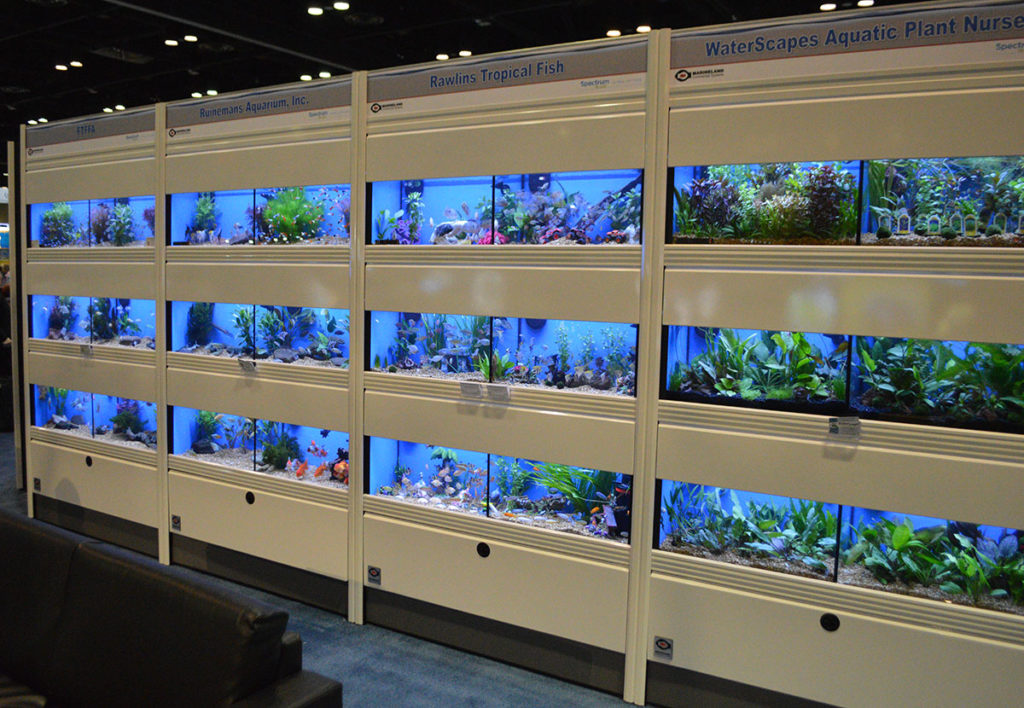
379, 667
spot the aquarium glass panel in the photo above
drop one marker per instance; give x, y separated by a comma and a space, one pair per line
59, 224
430, 211
782, 370
302, 335
562, 208
124, 421
63, 409
123, 322
436, 477
770, 203
217, 438
948, 201
60, 317
950, 561
213, 328
576, 500
304, 454
432, 345
962, 384
794, 536
126, 221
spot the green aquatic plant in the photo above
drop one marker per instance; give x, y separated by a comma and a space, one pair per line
291, 216
237, 431
585, 489
199, 323
829, 190
414, 206
564, 347
207, 424
56, 399
122, 225
494, 367
62, 315
279, 446
111, 318
445, 456
988, 383
625, 208
386, 223
206, 213
58, 226
99, 223
435, 334
284, 327
724, 367
905, 376
127, 417
898, 552
243, 321
511, 478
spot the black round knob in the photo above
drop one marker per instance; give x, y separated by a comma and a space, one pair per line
88, 460
250, 498
829, 622
483, 550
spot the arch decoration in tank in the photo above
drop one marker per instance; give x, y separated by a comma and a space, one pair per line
554, 208
306, 336
113, 222
949, 561
283, 450
977, 385
316, 215
545, 495
122, 322
110, 419
584, 357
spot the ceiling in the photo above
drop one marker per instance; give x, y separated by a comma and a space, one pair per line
239, 45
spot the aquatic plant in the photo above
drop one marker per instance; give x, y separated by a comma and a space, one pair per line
830, 209
62, 316
587, 490
237, 431
122, 225
495, 367
511, 478
284, 327
414, 206
988, 383
111, 318
127, 416
386, 223
898, 552
535, 217
291, 216
207, 423
243, 321
99, 223
435, 333
58, 226
199, 323
278, 445
56, 398
206, 213
149, 215
905, 376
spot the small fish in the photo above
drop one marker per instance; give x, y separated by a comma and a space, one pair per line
509, 514
595, 510
320, 470
324, 433
291, 465
301, 470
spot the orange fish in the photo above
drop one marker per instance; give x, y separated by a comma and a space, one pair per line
510, 514
301, 470
320, 470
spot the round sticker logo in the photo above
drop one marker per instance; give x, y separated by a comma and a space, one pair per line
682, 75
172, 132
30, 151
375, 107
662, 644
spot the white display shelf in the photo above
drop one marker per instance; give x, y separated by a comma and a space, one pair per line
250, 479
128, 277
127, 374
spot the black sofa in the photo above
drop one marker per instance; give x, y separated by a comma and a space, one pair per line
83, 623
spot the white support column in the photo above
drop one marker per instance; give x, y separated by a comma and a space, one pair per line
160, 364
16, 249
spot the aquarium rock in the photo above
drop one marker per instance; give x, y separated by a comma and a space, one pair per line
286, 356
338, 361
129, 341
78, 420
62, 423
217, 347
204, 446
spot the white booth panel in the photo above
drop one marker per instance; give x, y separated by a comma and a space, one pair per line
113, 279
299, 285
538, 590
97, 375
100, 180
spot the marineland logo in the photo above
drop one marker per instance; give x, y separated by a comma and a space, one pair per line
377, 107
687, 74
172, 132
178, 131
682, 75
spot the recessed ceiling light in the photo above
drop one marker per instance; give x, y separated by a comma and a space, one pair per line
865, 3
119, 107
61, 67
75, 63
43, 120
643, 28
827, 6
108, 109
465, 53
442, 57
614, 33
211, 92
341, 6
171, 42
315, 11
324, 74
306, 77
33, 122
190, 38
196, 94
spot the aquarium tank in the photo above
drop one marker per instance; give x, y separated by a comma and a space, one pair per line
290, 335
64, 318
283, 450
316, 215
110, 419
780, 370
950, 201
116, 222
584, 357
557, 497
553, 208
938, 559
121, 322
769, 203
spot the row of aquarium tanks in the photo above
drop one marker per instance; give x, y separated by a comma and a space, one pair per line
954, 201
939, 559
977, 385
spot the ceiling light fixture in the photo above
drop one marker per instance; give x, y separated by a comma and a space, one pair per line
465, 53
75, 63
119, 107
43, 120
171, 42
61, 67
108, 109
315, 11
865, 3
305, 77
643, 29
211, 92
190, 38
827, 6
196, 94
33, 122
441, 57
614, 33
324, 74
341, 6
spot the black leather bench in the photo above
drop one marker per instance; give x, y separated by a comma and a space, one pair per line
83, 623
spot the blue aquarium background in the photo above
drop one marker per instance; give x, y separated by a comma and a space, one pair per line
62, 408
597, 207
562, 354
757, 367
283, 450
312, 215
122, 421
790, 202
128, 322
118, 222
948, 201
60, 317
953, 561
531, 492
303, 335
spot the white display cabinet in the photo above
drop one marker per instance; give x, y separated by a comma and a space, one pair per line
788, 319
